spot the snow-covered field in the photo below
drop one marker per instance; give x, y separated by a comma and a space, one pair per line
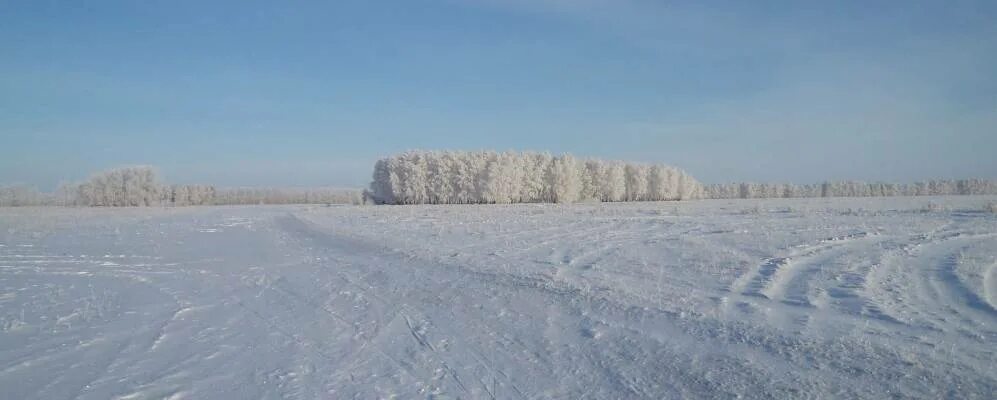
829, 298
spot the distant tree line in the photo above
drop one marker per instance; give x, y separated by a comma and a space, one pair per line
190, 195
139, 186
849, 189
317, 195
21, 195
475, 177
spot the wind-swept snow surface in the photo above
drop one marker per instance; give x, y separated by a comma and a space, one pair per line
875, 298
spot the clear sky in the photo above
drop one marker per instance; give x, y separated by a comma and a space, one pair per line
313, 92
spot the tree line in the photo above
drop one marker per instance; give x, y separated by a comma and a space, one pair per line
140, 186
21, 195
314, 195
451, 177
940, 187
488, 177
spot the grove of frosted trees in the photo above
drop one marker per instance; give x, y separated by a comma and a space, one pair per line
474, 177
121, 187
132, 187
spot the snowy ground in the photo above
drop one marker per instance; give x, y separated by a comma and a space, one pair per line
810, 298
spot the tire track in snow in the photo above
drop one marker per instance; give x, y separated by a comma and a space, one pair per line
803, 287
956, 289
918, 284
769, 279
990, 285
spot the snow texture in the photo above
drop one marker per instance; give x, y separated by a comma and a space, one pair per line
814, 298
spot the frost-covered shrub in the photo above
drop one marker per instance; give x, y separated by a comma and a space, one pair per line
417, 177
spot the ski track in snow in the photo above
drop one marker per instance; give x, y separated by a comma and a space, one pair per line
809, 298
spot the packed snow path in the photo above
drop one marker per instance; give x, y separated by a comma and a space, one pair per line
717, 299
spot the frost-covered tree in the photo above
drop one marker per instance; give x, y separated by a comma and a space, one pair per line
380, 188
410, 178
534, 188
439, 185
636, 178
592, 171
564, 179
65, 195
467, 180
503, 179
614, 182
658, 185
688, 187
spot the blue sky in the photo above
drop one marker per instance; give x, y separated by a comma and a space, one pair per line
312, 92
